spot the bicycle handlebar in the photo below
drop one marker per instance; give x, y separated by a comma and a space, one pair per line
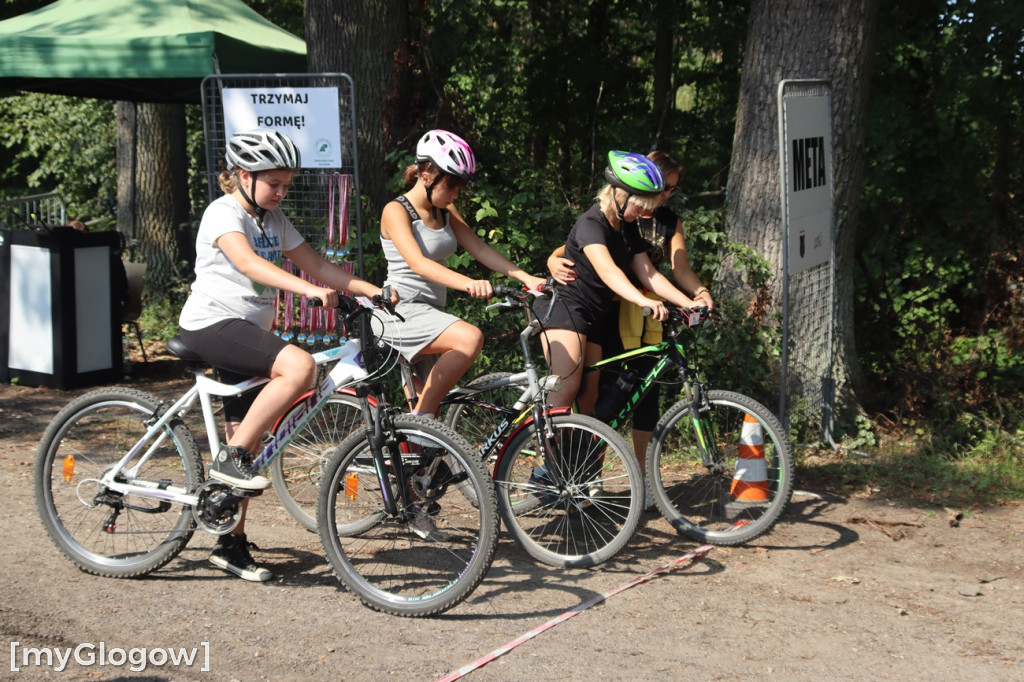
505, 291
691, 317
350, 307
516, 297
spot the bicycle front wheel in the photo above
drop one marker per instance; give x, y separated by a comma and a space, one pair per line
739, 488
102, 531
297, 471
574, 498
427, 559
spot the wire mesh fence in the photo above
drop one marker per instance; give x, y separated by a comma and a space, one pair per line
322, 201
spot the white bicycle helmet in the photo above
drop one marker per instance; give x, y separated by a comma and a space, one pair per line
448, 151
260, 150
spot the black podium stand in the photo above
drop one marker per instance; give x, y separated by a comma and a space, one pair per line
60, 320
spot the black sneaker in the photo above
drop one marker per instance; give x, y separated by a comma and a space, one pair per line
232, 554
233, 464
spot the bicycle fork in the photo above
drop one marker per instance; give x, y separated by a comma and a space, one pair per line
700, 416
388, 462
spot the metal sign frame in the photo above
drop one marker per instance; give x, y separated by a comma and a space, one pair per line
312, 194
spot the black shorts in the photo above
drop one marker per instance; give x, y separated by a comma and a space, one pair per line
574, 316
238, 350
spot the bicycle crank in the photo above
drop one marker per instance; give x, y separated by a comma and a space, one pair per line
219, 507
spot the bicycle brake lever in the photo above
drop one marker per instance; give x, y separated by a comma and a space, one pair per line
499, 304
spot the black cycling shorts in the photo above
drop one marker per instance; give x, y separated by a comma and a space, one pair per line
574, 316
239, 350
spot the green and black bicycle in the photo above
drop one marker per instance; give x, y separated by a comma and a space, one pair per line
719, 464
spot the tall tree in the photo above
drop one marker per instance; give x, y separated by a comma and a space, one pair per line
790, 39
364, 40
153, 202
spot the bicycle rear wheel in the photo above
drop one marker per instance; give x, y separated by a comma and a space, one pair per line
104, 532
579, 504
719, 502
476, 422
384, 561
297, 471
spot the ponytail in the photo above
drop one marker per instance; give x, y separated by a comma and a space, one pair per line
227, 181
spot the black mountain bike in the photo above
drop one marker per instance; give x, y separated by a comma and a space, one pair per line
393, 515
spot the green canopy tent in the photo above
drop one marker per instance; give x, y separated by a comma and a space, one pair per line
140, 50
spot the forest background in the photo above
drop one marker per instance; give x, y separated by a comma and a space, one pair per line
543, 90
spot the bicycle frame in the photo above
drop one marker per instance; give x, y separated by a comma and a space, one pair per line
529, 408
668, 353
525, 411
346, 371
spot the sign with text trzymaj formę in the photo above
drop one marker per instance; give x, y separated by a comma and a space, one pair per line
309, 116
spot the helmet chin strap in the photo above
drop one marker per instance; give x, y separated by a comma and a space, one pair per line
260, 212
430, 200
620, 211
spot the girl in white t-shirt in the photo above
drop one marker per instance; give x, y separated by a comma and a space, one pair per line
227, 318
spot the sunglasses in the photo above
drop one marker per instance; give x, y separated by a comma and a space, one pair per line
454, 182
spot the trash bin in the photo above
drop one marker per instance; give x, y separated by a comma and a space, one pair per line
60, 323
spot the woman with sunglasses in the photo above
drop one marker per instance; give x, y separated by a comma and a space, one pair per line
419, 231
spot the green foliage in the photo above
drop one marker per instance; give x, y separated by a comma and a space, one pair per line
938, 295
285, 13
973, 462
59, 143
740, 352
554, 86
159, 319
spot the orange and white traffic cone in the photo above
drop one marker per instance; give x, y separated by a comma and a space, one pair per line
750, 482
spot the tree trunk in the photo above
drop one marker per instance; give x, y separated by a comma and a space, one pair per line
126, 164
362, 39
790, 39
664, 61
161, 193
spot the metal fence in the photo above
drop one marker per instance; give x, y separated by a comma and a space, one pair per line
33, 210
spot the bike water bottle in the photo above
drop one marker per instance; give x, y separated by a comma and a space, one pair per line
611, 400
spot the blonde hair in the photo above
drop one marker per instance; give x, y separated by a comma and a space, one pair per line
606, 198
227, 181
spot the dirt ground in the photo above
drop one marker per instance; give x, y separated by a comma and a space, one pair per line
861, 587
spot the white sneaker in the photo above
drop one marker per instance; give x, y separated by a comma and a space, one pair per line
425, 527
649, 502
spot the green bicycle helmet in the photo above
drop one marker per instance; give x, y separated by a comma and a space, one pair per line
634, 173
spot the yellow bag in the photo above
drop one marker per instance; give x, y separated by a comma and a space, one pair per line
633, 325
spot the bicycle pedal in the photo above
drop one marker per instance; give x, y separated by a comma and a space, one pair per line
244, 493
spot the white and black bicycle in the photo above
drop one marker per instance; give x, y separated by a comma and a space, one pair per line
120, 484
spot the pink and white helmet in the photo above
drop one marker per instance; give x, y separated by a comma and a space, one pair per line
448, 151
